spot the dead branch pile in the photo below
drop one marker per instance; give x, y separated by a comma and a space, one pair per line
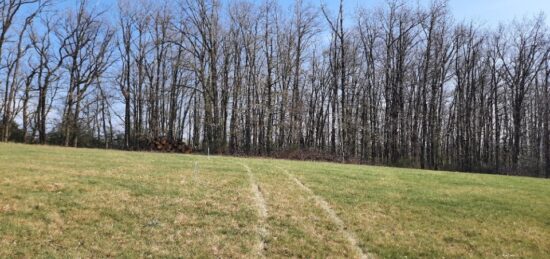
164, 144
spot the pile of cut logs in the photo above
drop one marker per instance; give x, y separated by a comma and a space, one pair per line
164, 144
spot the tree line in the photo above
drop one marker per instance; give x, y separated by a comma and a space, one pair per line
399, 84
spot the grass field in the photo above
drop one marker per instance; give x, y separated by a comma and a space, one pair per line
58, 202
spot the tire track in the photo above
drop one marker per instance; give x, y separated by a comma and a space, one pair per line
262, 211
344, 230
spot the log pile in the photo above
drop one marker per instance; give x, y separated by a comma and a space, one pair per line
164, 144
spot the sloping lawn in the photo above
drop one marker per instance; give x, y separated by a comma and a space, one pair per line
63, 202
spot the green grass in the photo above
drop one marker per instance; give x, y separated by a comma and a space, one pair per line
58, 202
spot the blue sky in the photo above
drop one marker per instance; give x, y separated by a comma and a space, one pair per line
495, 11
484, 12
487, 12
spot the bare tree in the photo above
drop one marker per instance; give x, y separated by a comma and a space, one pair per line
88, 56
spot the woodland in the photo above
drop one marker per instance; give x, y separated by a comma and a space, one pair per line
400, 84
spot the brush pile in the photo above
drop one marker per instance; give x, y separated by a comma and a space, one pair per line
164, 144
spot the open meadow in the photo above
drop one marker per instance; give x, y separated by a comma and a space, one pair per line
64, 202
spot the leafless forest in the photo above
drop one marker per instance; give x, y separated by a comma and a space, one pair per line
398, 85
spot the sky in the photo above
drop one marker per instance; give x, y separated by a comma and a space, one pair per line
484, 12
494, 11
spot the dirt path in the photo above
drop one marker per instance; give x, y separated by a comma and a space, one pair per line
262, 211
349, 235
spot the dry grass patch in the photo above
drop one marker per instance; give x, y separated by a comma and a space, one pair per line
415, 213
297, 226
136, 206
